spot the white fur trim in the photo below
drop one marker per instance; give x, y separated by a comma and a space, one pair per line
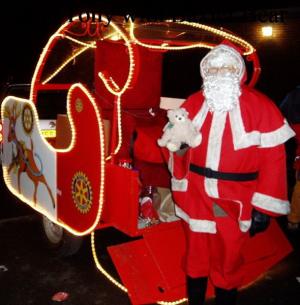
179, 185
270, 203
171, 163
200, 116
243, 139
278, 136
214, 151
244, 225
223, 54
196, 225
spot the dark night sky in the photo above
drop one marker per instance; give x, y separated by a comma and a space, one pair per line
26, 26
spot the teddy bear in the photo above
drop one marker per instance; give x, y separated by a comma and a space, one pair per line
180, 129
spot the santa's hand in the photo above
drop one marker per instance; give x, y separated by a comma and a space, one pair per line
183, 149
260, 222
172, 147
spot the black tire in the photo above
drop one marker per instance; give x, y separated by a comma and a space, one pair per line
58, 240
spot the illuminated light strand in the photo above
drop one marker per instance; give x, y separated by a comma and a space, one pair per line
91, 45
87, 45
45, 52
131, 66
80, 51
218, 32
106, 84
1, 136
116, 282
40, 209
119, 121
46, 49
101, 269
119, 116
172, 303
116, 90
229, 36
43, 56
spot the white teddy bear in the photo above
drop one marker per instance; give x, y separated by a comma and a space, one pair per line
180, 129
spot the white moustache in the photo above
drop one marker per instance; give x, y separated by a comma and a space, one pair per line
221, 93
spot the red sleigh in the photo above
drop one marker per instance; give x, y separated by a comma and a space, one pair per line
113, 114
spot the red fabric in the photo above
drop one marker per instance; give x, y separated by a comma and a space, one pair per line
217, 256
270, 162
145, 145
152, 173
112, 59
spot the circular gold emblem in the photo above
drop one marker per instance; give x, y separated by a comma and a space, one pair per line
82, 192
78, 105
27, 119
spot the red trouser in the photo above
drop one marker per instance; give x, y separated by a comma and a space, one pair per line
217, 256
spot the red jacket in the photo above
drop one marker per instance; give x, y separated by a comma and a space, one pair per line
247, 139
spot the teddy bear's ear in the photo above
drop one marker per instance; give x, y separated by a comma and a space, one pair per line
184, 111
170, 113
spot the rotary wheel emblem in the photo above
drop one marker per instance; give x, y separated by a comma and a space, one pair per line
27, 119
82, 192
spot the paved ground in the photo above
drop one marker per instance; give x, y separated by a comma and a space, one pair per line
34, 275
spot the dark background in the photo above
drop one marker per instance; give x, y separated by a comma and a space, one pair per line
26, 27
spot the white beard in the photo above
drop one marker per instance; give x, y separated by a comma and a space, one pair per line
221, 92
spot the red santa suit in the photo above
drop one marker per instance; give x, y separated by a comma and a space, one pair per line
240, 164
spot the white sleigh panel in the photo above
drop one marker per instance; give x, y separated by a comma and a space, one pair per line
29, 162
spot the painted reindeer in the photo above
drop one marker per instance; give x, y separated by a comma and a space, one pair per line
23, 160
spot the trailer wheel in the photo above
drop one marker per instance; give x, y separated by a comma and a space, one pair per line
58, 240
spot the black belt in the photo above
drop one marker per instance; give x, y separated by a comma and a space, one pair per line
209, 173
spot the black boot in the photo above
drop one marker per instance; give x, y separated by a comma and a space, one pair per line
226, 297
196, 289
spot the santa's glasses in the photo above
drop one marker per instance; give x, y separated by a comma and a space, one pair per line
221, 71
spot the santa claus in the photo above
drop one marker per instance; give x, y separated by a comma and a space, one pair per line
228, 185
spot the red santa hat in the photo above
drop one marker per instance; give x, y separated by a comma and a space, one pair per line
225, 54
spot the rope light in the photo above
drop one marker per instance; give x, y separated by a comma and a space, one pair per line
101, 269
115, 89
64, 36
60, 32
116, 282
215, 31
80, 51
